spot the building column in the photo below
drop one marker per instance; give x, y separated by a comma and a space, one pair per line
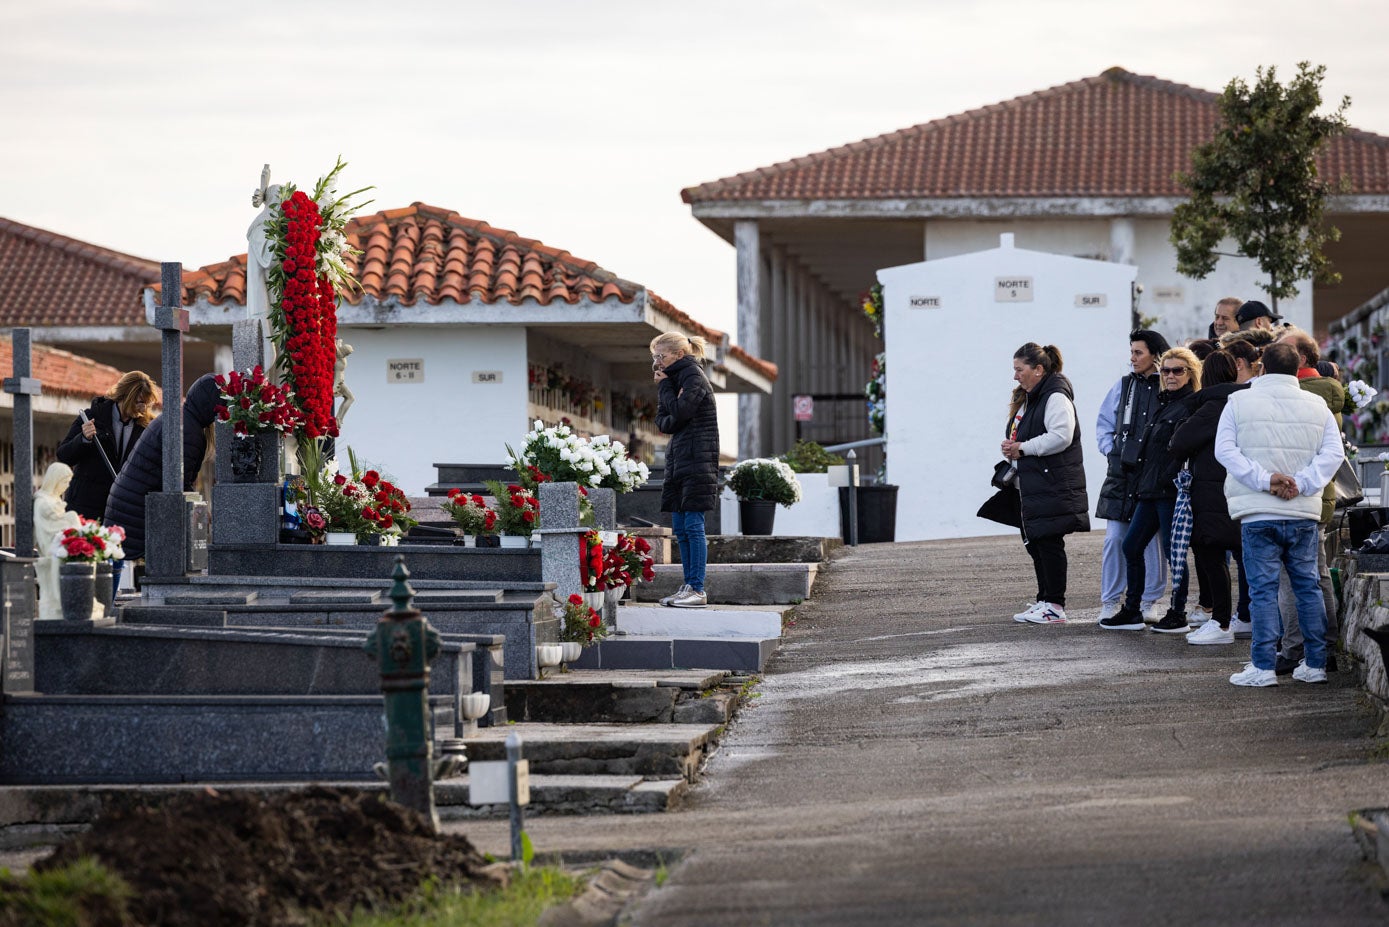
745, 237
776, 352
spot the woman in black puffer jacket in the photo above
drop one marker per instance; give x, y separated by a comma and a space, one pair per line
144, 468
685, 411
114, 425
1157, 493
1213, 532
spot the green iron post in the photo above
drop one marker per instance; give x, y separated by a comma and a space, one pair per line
403, 643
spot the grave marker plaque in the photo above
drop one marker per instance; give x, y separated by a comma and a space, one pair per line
17, 615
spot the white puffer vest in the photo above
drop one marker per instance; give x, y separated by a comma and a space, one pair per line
1280, 426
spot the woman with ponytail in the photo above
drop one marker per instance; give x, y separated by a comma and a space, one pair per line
1043, 437
685, 411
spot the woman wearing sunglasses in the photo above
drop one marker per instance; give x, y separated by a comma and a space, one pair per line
1180, 373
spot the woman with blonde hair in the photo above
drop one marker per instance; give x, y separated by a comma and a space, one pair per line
1157, 493
112, 424
685, 411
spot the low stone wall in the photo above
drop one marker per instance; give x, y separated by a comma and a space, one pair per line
1365, 595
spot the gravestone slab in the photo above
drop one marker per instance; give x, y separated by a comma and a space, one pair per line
167, 534
246, 514
336, 597
269, 442
20, 606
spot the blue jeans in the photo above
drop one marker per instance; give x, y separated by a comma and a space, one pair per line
1290, 544
1150, 517
694, 549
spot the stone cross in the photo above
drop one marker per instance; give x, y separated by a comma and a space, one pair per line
24, 388
167, 513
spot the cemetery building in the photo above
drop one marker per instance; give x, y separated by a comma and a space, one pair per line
1085, 169
463, 334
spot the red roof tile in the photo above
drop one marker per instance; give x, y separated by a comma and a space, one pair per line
50, 279
1117, 134
61, 372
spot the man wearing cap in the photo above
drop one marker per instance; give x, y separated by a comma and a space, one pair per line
1255, 314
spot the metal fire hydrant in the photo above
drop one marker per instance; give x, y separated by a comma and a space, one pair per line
403, 643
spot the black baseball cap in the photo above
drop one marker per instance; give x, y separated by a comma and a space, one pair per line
1254, 310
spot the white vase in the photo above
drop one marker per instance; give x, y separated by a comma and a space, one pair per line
514, 540
571, 651
595, 600
1384, 487
470, 540
615, 594
342, 538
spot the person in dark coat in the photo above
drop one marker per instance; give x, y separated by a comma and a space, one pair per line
1157, 494
113, 424
1043, 438
685, 410
1214, 534
144, 468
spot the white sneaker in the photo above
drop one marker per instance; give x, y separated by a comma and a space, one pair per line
690, 599
1199, 616
1107, 610
1251, 675
1048, 614
1032, 609
1211, 633
1152, 612
1305, 673
1243, 630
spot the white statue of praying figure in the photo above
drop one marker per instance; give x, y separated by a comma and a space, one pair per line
51, 519
258, 251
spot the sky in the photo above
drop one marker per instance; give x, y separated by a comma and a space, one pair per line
142, 125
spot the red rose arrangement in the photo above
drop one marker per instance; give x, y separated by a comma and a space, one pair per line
92, 542
252, 404
591, 562
518, 511
579, 623
635, 554
471, 513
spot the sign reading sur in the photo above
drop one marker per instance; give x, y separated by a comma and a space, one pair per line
1091, 300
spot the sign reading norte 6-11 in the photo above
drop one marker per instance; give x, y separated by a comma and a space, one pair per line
405, 370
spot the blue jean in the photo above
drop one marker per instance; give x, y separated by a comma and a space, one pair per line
1284, 544
1150, 517
694, 549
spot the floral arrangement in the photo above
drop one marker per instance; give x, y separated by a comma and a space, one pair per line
876, 391
766, 479
90, 542
252, 404
363, 502
558, 454
308, 269
580, 624
873, 308
1383, 457
628, 562
591, 563
1359, 393
470, 513
517, 508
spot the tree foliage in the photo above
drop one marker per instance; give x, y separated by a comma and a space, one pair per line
1256, 182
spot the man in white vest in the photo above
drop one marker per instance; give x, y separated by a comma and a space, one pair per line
1280, 447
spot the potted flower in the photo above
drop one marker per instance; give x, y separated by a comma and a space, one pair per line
78, 551
760, 485
591, 568
580, 627
471, 514
517, 512
256, 412
629, 562
363, 507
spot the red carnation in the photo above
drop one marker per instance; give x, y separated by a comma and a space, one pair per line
576, 599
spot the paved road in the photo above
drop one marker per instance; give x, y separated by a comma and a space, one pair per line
916, 757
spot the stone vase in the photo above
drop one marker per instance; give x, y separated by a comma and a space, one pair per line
77, 590
105, 587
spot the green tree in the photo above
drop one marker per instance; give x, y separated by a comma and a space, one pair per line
1256, 182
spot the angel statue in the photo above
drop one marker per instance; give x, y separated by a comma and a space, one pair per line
340, 380
258, 251
51, 519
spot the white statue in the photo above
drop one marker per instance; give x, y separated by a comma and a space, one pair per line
340, 380
51, 519
258, 253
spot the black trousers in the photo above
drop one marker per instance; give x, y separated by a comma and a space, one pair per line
1213, 572
1049, 561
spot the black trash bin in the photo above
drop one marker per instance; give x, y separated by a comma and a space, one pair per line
877, 513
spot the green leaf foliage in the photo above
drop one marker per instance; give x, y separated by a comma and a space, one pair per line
1256, 182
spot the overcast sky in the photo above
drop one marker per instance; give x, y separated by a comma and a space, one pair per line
142, 125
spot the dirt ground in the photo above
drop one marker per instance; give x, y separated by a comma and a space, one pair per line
213, 859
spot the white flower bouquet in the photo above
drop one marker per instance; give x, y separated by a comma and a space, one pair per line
767, 479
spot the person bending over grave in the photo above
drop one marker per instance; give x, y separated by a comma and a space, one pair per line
101, 439
143, 472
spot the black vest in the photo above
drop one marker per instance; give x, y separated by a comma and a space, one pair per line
1052, 486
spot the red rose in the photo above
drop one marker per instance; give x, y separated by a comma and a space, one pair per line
576, 599
596, 620
371, 478
339, 479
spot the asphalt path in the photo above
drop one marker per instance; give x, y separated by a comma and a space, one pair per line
913, 756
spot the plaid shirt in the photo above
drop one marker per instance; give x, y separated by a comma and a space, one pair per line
1181, 528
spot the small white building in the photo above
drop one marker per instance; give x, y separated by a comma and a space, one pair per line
463, 334
952, 326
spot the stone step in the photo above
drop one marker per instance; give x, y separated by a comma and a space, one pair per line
714, 621
738, 583
740, 548
569, 795
621, 696
652, 750
426, 561
747, 654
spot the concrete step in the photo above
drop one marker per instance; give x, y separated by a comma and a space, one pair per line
714, 621
739, 548
653, 750
738, 583
569, 795
746, 654
622, 697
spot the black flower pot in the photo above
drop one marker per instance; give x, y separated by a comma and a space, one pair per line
756, 516
77, 590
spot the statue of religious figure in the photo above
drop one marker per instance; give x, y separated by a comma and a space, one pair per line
51, 519
340, 380
258, 253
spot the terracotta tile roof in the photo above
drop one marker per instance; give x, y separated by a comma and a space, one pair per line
61, 373
1117, 134
713, 336
50, 279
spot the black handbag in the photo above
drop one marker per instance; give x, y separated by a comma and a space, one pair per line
1004, 507
1349, 492
1005, 475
